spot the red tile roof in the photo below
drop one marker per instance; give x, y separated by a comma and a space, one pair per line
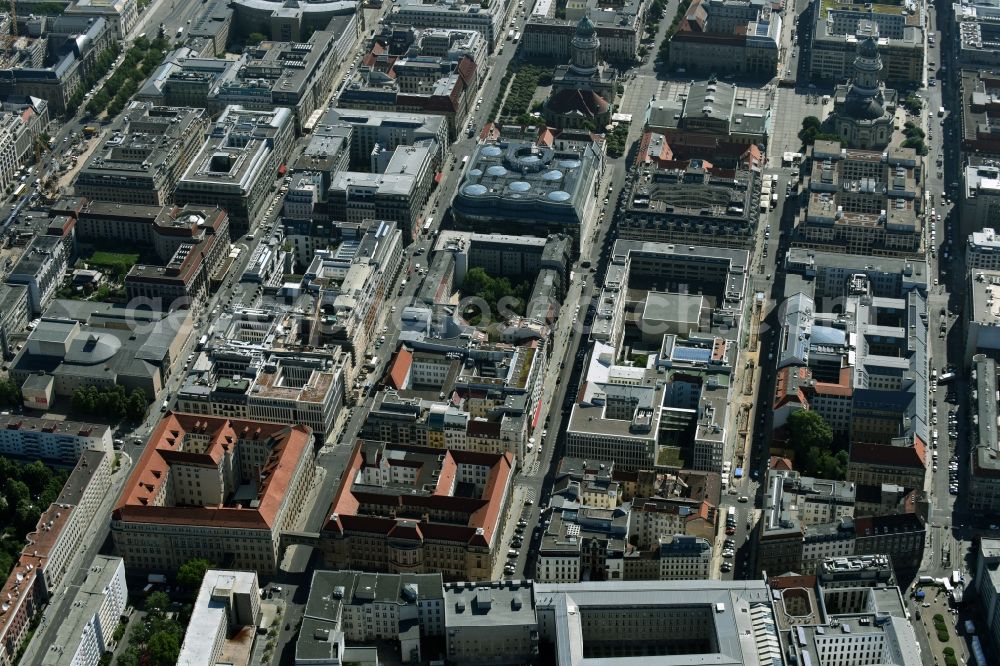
911, 457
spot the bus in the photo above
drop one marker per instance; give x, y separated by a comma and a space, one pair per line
19, 190
946, 377
517, 37
465, 160
89, 131
510, 34
940, 112
180, 31
427, 224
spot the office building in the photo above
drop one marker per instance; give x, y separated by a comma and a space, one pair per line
693, 201
215, 488
619, 29
143, 155
241, 377
687, 622
63, 529
40, 268
982, 323
414, 510
387, 130
839, 27
224, 619
237, 164
673, 411
55, 442
272, 17
987, 584
979, 88
187, 79
842, 625
856, 571
722, 36
980, 202
434, 71
350, 607
87, 633
829, 272
528, 189
861, 202
83, 343
975, 24
984, 463
14, 315
491, 623
296, 75
121, 15
488, 19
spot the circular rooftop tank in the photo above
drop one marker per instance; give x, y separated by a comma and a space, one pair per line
569, 164
520, 186
496, 170
559, 196
492, 151
476, 173
552, 176
475, 190
531, 159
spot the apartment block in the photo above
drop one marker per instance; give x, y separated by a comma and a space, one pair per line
14, 317
143, 155
402, 509
619, 29
487, 19
982, 326
979, 87
987, 584
224, 619
982, 251
87, 633
980, 205
583, 543
349, 607
63, 528
237, 164
215, 488
56, 442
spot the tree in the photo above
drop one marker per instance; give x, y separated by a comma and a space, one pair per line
157, 602
191, 573
163, 648
809, 429
255, 38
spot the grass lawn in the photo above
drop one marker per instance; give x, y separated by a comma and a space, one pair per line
114, 262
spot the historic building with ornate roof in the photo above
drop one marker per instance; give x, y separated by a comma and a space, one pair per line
864, 109
584, 90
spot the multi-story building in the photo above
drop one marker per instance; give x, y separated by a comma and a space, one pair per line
901, 537
719, 36
693, 201
711, 120
838, 27
526, 188
215, 488
265, 81
979, 91
81, 343
984, 461
836, 626
397, 511
861, 202
976, 29
435, 71
87, 633
674, 411
353, 286
236, 166
14, 315
271, 17
702, 620
583, 543
982, 325
987, 583
856, 571
224, 618
488, 18
121, 15
199, 240
385, 129
980, 203
491, 623
143, 156
40, 269
59, 442
63, 528
354, 607
982, 250
186, 79
252, 381
619, 29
